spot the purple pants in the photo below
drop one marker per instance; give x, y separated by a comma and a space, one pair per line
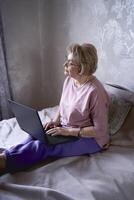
24, 155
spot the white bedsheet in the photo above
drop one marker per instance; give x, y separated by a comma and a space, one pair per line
10, 132
108, 175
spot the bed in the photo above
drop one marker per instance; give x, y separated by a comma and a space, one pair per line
107, 175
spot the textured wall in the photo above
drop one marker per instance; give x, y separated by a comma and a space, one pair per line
110, 26
38, 31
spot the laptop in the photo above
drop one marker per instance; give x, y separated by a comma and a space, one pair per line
29, 121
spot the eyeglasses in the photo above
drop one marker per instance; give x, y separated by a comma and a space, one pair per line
70, 63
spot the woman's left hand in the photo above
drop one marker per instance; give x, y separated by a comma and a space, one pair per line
59, 131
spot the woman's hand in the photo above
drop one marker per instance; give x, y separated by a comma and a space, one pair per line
53, 123
59, 131
49, 125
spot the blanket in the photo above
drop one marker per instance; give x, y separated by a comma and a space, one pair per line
108, 175
105, 175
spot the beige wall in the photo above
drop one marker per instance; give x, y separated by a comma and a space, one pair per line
38, 31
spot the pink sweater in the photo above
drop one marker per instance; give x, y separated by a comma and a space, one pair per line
86, 106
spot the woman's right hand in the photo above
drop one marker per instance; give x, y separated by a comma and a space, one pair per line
49, 125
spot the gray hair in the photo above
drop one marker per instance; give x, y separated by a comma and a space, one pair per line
86, 55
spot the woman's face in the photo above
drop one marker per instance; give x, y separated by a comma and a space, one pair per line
72, 68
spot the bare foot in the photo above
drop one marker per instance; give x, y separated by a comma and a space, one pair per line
2, 162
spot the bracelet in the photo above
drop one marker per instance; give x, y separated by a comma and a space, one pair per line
80, 132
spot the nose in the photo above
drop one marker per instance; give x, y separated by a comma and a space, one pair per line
65, 64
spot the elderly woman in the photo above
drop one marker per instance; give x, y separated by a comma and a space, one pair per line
83, 112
